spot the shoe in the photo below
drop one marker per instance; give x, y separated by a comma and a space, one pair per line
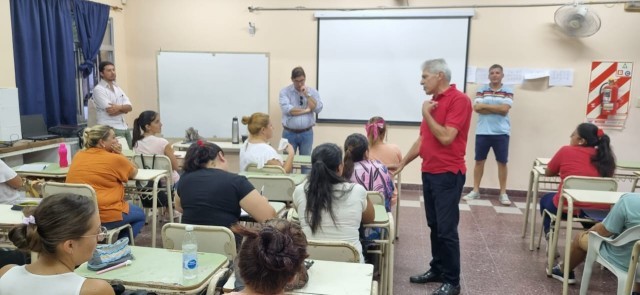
473, 195
427, 277
447, 289
557, 274
504, 200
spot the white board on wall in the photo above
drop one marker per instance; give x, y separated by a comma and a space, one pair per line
369, 62
205, 90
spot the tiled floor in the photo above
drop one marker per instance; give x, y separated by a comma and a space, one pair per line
495, 259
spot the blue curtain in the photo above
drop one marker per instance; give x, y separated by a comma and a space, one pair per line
44, 59
91, 23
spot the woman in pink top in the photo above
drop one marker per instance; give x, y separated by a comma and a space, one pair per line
588, 154
145, 141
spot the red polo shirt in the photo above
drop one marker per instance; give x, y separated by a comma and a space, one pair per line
453, 110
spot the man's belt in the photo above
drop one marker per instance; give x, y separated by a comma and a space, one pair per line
297, 130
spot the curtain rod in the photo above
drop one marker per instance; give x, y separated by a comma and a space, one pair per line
302, 8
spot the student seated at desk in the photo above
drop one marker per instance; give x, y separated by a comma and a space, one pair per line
624, 215
331, 208
102, 166
256, 149
371, 174
146, 140
64, 230
588, 154
209, 195
270, 257
10, 183
387, 153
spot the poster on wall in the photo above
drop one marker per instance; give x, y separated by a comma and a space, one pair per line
609, 91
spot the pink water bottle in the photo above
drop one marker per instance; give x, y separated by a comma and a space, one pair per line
62, 153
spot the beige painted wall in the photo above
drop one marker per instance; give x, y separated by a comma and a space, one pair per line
542, 117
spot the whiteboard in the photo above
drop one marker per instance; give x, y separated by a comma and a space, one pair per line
370, 65
205, 90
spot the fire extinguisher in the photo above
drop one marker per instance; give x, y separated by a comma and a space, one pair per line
609, 94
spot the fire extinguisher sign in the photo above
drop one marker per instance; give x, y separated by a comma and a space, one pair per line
609, 91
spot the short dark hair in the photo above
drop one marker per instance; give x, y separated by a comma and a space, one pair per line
297, 72
496, 66
104, 64
271, 255
198, 155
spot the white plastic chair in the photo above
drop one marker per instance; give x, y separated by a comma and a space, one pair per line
593, 254
583, 183
277, 188
275, 169
85, 190
161, 162
332, 251
211, 239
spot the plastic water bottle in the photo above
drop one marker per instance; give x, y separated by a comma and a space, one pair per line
234, 131
62, 154
189, 254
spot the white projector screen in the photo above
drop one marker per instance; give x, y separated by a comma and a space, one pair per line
369, 64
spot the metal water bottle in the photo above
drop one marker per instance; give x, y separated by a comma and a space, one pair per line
234, 131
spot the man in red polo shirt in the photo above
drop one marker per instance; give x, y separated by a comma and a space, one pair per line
442, 145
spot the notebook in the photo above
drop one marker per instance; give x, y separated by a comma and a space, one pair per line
33, 128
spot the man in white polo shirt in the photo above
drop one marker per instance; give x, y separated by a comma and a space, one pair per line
111, 102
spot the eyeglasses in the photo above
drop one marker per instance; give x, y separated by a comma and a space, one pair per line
301, 100
99, 236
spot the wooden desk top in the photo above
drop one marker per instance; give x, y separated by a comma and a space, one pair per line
148, 174
51, 170
159, 268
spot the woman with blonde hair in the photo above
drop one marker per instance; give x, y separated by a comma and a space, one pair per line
64, 230
102, 166
256, 149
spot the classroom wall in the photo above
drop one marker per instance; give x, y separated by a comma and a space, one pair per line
542, 117
8, 75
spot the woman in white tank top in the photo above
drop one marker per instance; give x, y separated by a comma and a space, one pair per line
64, 230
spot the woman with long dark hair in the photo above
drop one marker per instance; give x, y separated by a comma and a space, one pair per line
371, 174
146, 129
330, 207
588, 154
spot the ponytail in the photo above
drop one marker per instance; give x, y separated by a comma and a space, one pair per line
137, 134
604, 159
199, 154
355, 149
325, 160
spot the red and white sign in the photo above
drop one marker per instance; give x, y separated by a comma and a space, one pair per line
614, 114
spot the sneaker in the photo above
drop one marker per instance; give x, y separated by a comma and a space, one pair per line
557, 274
473, 195
504, 200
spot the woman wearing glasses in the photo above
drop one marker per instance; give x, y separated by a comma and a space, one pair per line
64, 230
102, 166
256, 150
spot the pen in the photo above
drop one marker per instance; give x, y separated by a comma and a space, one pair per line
119, 265
262, 190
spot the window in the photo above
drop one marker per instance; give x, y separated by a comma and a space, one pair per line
84, 86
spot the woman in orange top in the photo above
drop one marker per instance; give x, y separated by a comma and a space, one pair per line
102, 166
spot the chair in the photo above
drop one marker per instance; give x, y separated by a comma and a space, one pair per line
85, 190
633, 264
275, 169
625, 279
275, 187
159, 162
332, 251
292, 216
211, 239
213, 282
584, 183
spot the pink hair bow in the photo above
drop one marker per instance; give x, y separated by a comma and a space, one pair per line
373, 128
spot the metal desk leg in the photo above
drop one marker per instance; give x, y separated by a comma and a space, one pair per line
528, 204
534, 203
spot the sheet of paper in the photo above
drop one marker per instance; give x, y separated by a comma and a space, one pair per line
32, 167
561, 77
482, 75
512, 76
471, 74
530, 74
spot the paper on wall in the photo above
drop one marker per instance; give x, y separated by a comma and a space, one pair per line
530, 74
561, 77
471, 74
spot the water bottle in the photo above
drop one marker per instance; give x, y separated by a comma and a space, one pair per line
189, 254
62, 154
234, 131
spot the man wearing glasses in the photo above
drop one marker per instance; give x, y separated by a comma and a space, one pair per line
299, 104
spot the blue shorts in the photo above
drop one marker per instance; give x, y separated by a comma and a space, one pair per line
499, 143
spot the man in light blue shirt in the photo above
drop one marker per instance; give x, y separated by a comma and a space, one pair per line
299, 104
624, 215
492, 103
